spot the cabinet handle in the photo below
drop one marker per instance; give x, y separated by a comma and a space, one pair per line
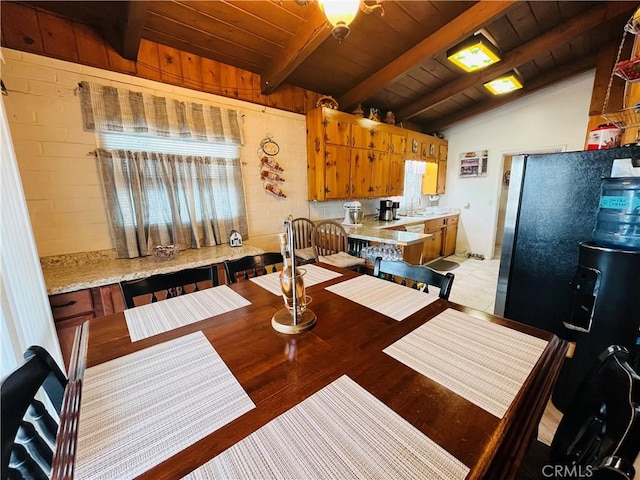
68, 304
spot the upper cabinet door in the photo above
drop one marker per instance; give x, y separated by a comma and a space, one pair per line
337, 129
398, 144
380, 140
361, 136
337, 172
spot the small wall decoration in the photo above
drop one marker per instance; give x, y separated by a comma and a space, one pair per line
473, 164
235, 239
270, 169
414, 146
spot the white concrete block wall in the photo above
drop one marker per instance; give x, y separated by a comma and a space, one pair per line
61, 181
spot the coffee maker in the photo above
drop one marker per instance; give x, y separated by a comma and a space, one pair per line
386, 210
394, 210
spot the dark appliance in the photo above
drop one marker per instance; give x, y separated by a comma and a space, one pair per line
386, 210
604, 311
394, 210
552, 206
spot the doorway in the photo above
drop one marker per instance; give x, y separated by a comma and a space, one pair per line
503, 193
502, 202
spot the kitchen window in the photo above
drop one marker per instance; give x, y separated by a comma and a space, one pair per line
170, 169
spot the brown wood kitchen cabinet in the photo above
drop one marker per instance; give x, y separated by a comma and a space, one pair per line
74, 308
432, 247
351, 157
434, 180
449, 235
443, 242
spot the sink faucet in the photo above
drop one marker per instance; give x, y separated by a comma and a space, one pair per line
415, 198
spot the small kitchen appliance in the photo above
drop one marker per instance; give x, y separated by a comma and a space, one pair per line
386, 210
394, 210
352, 213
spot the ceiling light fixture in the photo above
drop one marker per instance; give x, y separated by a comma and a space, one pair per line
474, 53
340, 13
509, 82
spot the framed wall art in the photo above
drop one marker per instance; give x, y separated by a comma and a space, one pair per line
473, 164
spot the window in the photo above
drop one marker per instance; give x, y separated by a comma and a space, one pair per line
216, 174
170, 168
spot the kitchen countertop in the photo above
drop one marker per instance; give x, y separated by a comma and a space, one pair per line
379, 231
381, 235
70, 274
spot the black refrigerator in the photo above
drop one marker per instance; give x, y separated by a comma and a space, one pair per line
551, 209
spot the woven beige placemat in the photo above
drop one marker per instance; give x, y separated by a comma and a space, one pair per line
340, 432
388, 298
484, 362
140, 409
314, 275
155, 318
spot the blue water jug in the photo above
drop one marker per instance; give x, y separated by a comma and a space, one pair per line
618, 218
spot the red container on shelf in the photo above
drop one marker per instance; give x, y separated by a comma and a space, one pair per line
605, 136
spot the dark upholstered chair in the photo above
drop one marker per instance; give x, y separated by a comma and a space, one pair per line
28, 430
302, 231
414, 275
173, 284
251, 266
599, 434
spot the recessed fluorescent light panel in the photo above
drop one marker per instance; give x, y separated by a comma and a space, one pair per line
505, 84
474, 53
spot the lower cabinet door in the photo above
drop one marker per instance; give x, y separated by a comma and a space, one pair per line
432, 246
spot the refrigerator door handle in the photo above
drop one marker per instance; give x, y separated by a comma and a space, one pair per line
516, 181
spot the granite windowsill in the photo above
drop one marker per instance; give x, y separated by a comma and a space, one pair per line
68, 273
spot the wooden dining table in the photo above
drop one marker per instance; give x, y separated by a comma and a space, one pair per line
279, 371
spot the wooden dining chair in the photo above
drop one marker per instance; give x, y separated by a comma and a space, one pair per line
251, 266
415, 276
28, 430
302, 231
172, 284
330, 245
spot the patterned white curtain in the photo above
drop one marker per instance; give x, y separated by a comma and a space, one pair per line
159, 199
110, 109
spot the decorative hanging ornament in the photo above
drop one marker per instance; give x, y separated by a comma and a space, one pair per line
273, 188
268, 174
269, 146
270, 163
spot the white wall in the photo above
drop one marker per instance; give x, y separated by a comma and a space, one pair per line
62, 187
61, 181
553, 118
25, 315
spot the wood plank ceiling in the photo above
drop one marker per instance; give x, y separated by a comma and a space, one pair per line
394, 61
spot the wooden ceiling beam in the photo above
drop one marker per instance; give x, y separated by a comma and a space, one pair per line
310, 36
133, 25
542, 81
592, 18
455, 31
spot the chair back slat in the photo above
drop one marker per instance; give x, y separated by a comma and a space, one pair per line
23, 465
251, 266
173, 284
394, 270
45, 422
35, 445
329, 237
302, 230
